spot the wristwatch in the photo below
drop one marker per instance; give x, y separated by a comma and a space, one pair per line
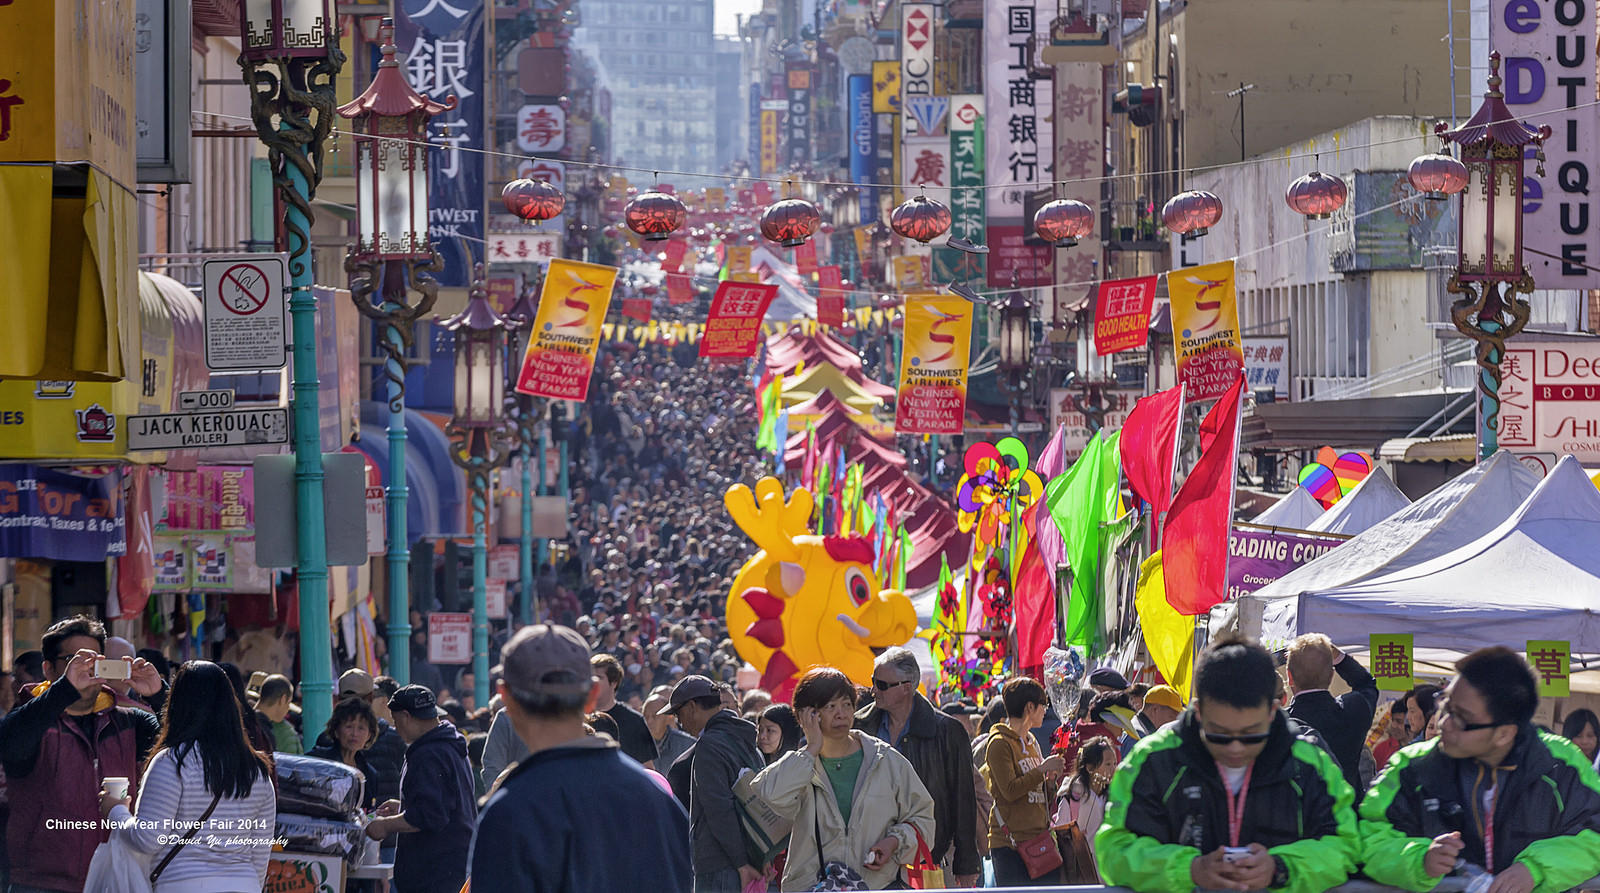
1280, 873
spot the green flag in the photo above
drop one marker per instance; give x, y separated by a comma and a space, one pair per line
1077, 504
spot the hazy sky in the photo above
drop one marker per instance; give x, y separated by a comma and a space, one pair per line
727, 10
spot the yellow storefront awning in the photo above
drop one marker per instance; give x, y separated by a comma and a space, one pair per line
70, 295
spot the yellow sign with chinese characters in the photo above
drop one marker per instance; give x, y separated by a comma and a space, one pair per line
1390, 661
1551, 660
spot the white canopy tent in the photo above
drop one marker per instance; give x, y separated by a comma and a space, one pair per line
1460, 511
1295, 510
1372, 500
1534, 576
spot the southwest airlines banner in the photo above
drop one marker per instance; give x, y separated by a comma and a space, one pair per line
566, 331
933, 366
1205, 329
733, 327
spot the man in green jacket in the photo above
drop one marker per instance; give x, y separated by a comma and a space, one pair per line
1229, 798
1490, 791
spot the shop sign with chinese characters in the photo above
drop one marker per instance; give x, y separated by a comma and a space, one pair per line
523, 248
1266, 364
1020, 137
1550, 398
1551, 660
1390, 661
541, 128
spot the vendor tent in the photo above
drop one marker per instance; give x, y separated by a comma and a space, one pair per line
1535, 576
1372, 500
1452, 516
1296, 510
824, 377
789, 349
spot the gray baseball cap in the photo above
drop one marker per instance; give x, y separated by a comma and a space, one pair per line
545, 659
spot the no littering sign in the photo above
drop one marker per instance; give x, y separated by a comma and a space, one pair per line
244, 312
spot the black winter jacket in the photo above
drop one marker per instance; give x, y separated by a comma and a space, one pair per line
939, 750
1343, 721
726, 745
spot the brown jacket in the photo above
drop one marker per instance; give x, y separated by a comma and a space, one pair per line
1016, 781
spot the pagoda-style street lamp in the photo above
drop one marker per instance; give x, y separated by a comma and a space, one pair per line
1016, 346
531, 436
392, 252
290, 59
480, 443
1489, 271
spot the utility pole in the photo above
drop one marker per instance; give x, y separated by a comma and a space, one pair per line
1243, 89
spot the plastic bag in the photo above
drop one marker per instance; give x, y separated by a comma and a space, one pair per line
311, 786
325, 837
117, 867
1063, 678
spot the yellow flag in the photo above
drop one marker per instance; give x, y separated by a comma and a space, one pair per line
1168, 634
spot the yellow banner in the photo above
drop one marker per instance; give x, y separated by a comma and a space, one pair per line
716, 197
933, 366
907, 272
566, 330
739, 258
1205, 329
886, 87
769, 141
863, 236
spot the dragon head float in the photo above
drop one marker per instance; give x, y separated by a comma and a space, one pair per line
807, 600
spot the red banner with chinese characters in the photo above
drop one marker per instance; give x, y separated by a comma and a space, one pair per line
830, 309
733, 327
636, 308
830, 277
1122, 314
672, 259
679, 289
805, 258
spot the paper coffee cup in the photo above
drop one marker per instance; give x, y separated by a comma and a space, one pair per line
117, 787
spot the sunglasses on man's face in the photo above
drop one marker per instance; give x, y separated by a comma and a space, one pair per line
881, 685
1225, 740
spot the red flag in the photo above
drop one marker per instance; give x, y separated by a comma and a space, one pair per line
1035, 597
830, 309
679, 289
805, 258
1195, 544
1149, 447
636, 308
136, 570
673, 254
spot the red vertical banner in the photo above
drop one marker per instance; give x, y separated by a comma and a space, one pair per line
679, 289
1122, 314
830, 309
733, 326
830, 278
636, 308
673, 254
805, 258
136, 569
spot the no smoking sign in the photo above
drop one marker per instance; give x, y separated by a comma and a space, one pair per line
245, 325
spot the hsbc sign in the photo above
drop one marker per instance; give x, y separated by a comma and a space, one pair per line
916, 51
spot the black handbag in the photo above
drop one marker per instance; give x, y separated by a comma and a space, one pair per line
834, 875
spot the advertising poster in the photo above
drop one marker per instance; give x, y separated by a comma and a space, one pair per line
1258, 557
1205, 328
566, 330
933, 366
1550, 398
863, 140
49, 513
679, 289
1122, 314
733, 327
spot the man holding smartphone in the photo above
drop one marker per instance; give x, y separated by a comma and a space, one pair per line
1228, 798
58, 747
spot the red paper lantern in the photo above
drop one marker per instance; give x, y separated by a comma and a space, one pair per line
898, 322
1317, 195
790, 222
533, 199
1063, 222
654, 215
1192, 213
920, 218
1437, 176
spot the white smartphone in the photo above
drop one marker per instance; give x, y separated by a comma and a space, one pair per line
1234, 853
112, 668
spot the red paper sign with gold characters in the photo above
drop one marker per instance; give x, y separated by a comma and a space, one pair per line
566, 331
733, 327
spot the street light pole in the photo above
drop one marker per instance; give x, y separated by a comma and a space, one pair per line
392, 245
290, 58
526, 412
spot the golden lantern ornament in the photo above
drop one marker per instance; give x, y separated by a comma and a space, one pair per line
1192, 213
654, 215
1063, 222
533, 199
790, 222
1316, 195
920, 218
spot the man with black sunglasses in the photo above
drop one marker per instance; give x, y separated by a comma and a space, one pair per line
1228, 798
1491, 791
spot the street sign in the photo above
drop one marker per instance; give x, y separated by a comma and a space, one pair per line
375, 521
192, 430
449, 638
494, 595
245, 325
194, 401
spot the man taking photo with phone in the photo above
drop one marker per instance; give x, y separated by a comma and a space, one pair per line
1229, 798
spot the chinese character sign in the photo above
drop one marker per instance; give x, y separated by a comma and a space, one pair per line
1122, 314
1080, 152
1550, 398
566, 330
927, 166
966, 189
1390, 661
444, 45
734, 324
933, 366
1205, 327
541, 128
1019, 140
1552, 663
679, 289
769, 141
637, 309
523, 248
1266, 364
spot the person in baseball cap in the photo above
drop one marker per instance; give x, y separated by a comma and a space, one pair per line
1162, 704
571, 786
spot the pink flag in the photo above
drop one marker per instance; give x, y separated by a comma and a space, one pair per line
1195, 543
1149, 446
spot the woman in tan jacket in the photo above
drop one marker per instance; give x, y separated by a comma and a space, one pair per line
1019, 779
853, 799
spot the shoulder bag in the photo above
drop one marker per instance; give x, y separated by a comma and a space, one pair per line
162, 866
1076, 856
833, 876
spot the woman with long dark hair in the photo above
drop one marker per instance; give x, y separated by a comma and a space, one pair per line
202, 775
352, 729
777, 732
1582, 728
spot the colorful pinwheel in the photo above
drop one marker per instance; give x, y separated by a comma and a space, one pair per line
996, 488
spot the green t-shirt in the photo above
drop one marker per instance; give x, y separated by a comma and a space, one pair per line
842, 774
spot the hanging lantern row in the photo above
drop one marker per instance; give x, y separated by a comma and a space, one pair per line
654, 215
533, 199
1316, 195
920, 218
1192, 213
790, 222
1063, 222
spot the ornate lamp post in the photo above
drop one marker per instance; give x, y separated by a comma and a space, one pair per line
530, 434
391, 251
290, 58
479, 443
1489, 272
1016, 346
